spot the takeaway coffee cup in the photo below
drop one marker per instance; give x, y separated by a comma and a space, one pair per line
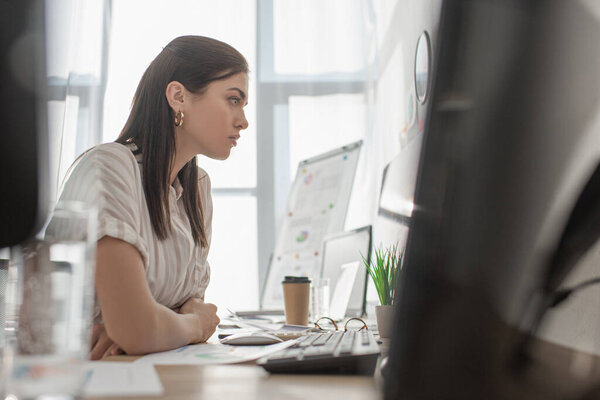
296, 292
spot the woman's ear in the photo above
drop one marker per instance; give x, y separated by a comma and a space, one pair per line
174, 94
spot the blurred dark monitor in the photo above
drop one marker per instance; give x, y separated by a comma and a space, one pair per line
496, 226
23, 141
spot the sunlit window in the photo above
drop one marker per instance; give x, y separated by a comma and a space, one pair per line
80, 28
321, 123
233, 254
313, 37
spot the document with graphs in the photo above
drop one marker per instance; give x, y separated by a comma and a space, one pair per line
317, 205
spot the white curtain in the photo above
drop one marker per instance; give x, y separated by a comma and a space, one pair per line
76, 41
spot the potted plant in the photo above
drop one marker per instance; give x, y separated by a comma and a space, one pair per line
384, 270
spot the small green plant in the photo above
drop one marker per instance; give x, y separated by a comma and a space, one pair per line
385, 270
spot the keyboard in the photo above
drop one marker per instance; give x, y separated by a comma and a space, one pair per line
338, 352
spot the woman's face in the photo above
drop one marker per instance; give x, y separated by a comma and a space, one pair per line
213, 120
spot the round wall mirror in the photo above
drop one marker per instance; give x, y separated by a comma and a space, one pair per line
422, 67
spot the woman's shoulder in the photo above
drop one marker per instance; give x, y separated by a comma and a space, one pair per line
104, 161
107, 152
108, 157
105, 172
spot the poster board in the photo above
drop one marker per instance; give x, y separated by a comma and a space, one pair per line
317, 206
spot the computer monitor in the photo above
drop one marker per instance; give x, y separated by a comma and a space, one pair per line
341, 249
505, 160
23, 141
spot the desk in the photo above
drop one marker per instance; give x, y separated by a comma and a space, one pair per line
249, 382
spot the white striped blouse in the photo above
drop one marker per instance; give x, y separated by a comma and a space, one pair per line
109, 177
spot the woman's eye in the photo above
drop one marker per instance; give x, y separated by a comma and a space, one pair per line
235, 100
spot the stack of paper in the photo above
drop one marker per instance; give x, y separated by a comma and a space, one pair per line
105, 378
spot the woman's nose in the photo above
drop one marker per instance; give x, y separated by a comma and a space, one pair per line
242, 123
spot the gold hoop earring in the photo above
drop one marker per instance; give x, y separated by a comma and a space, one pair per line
178, 119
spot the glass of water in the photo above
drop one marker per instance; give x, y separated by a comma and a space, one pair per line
49, 307
319, 298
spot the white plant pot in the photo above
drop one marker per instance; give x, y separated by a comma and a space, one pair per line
385, 319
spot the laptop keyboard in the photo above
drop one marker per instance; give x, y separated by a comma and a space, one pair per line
338, 352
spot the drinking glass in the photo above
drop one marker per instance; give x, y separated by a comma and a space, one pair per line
319, 298
49, 306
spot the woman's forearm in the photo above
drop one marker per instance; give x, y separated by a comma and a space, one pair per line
133, 319
164, 329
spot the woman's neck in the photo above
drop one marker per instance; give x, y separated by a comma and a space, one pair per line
177, 166
181, 158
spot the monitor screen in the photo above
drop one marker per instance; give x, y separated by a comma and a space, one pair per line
23, 141
340, 249
396, 200
515, 104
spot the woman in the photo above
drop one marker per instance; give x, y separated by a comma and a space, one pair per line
154, 204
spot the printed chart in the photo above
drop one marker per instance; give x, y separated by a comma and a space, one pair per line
317, 206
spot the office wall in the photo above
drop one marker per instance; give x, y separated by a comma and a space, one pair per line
398, 116
396, 113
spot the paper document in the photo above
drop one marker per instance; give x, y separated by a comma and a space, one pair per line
211, 353
105, 378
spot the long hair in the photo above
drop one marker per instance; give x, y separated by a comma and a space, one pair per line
193, 61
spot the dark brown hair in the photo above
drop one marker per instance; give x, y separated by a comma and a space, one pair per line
193, 61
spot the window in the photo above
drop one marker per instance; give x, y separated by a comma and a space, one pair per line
75, 47
313, 63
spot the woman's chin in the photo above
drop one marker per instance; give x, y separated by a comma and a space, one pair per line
221, 157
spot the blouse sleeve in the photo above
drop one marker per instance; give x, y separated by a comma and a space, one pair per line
108, 178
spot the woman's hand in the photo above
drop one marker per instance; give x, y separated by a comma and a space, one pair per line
102, 345
206, 313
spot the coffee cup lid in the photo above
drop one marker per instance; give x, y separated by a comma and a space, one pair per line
296, 279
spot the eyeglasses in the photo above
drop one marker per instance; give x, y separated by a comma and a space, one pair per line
346, 328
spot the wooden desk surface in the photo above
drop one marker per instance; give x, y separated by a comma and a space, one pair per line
249, 382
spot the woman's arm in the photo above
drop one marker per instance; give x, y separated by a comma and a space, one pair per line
133, 319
